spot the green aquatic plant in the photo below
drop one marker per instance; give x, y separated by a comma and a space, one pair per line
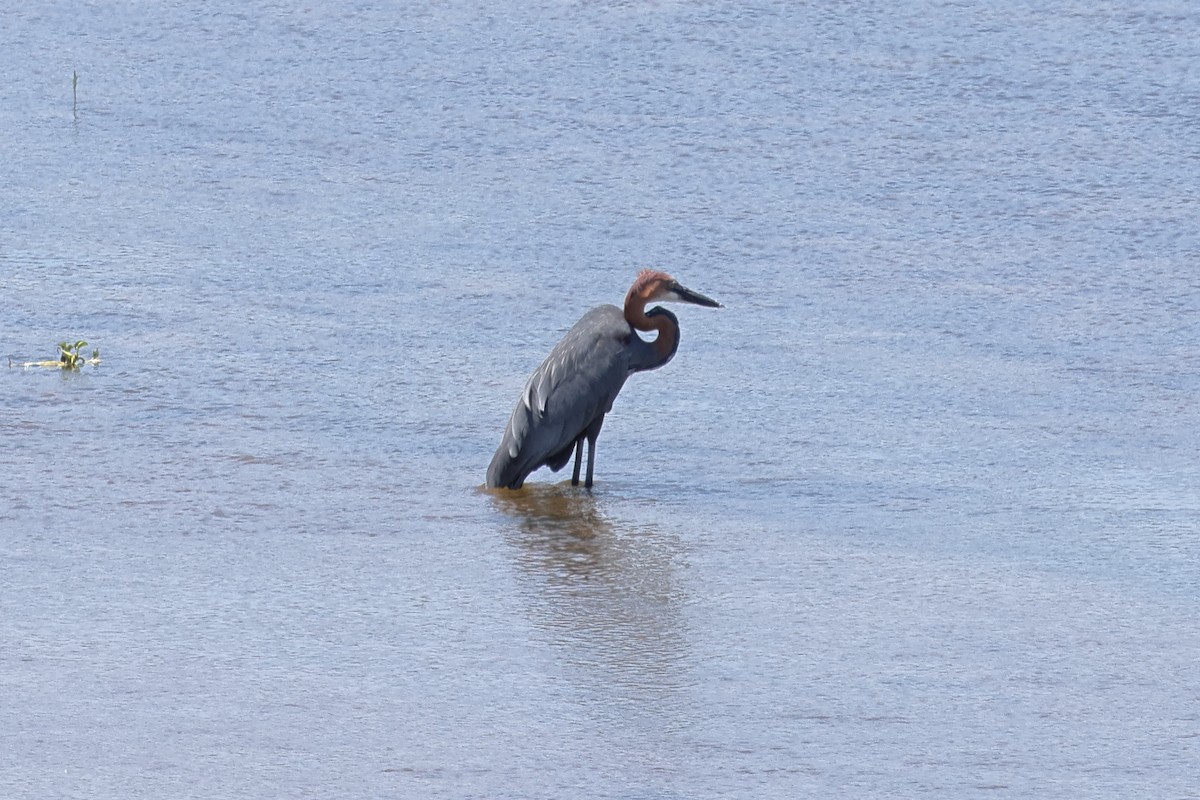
70, 356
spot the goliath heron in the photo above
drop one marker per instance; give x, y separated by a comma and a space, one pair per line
566, 398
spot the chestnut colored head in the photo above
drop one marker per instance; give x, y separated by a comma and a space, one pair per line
652, 285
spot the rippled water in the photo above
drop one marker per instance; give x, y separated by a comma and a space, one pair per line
915, 514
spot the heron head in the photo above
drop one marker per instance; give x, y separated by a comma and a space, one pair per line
652, 285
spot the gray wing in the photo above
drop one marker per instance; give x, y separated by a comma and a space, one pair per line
576, 383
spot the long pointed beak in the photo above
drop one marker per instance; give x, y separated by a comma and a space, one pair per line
686, 295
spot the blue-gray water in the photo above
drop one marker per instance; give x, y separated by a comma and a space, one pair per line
916, 514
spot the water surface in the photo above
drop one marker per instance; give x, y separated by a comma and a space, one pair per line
914, 515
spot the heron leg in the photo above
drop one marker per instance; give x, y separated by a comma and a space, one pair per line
591, 433
578, 458
587, 483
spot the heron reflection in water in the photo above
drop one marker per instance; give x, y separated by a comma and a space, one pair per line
557, 517
604, 593
565, 400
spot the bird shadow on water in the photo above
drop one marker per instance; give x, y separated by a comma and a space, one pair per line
605, 595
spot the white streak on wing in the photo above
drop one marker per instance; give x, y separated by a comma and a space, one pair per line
527, 397
541, 386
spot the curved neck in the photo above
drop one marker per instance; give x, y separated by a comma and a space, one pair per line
659, 320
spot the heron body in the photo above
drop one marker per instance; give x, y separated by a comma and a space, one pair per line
564, 402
